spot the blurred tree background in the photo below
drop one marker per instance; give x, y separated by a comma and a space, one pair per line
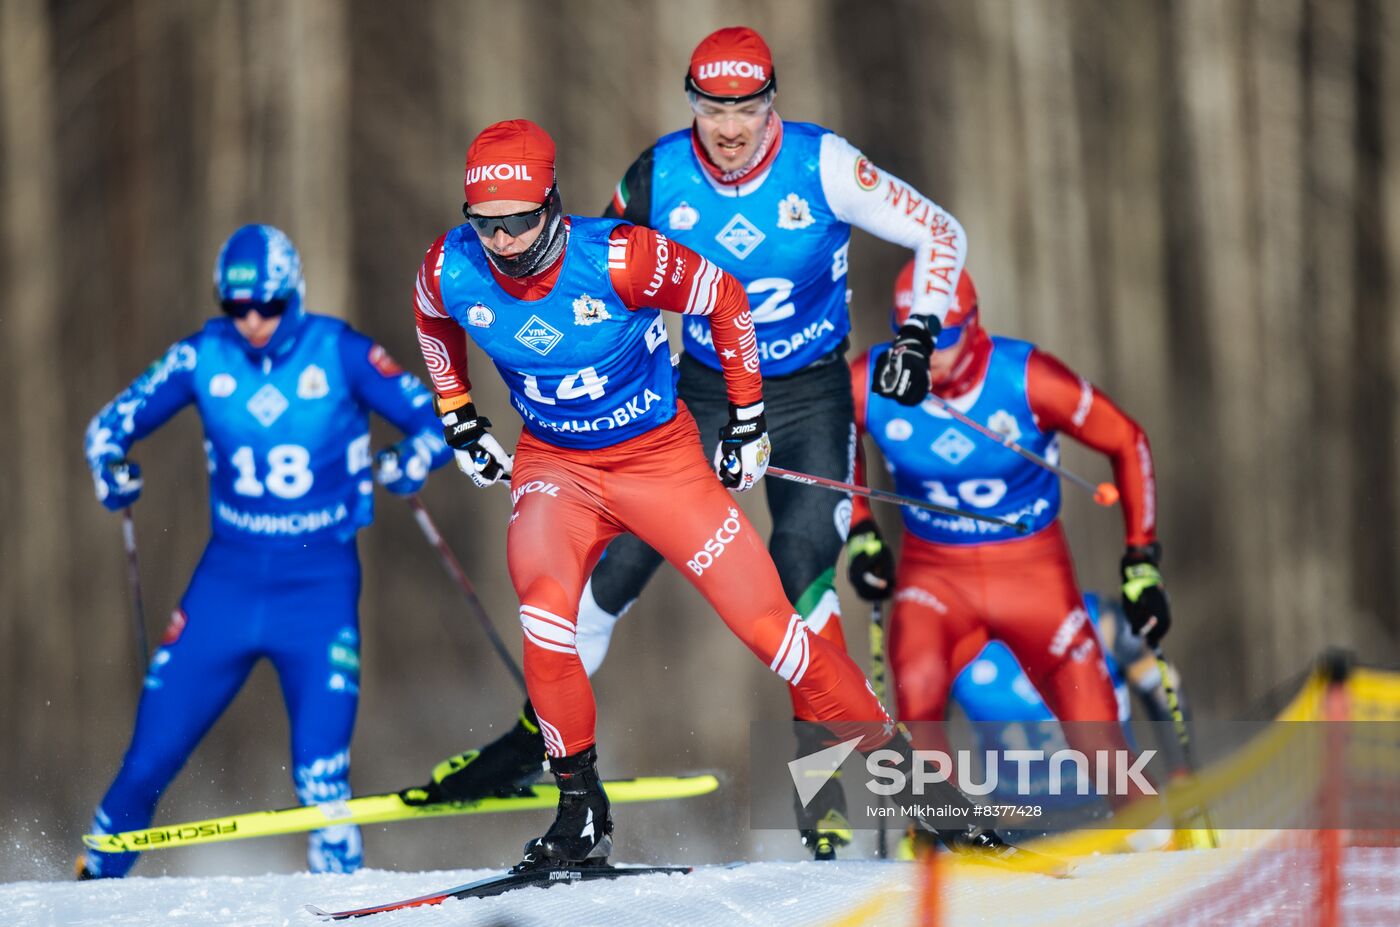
1193, 203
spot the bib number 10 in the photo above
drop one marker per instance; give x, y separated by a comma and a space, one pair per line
288, 472
980, 494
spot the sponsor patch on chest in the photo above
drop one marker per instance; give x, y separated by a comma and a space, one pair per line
312, 383
480, 316
683, 217
538, 335
953, 446
221, 385
1004, 424
740, 236
794, 213
267, 404
589, 310
898, 429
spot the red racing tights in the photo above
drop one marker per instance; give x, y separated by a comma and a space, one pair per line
568, 504
951, 599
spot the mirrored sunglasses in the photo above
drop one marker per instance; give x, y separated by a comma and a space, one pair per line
238, 308
514, 225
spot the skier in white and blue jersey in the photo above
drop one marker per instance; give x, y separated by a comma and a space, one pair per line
285, 398
772, 203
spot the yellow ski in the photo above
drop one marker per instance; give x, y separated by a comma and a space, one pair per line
378, 809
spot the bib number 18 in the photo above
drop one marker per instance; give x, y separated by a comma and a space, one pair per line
288, 472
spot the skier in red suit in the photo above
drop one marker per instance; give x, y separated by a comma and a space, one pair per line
960, 583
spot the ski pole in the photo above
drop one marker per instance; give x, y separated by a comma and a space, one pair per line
1183, 735
877, 649
877, 681
881, 495
454, 569
1104, 494
133, 582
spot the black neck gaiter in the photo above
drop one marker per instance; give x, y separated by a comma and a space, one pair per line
545, 249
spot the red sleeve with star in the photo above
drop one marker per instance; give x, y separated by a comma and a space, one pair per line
650, 271
1062, 400
442, 341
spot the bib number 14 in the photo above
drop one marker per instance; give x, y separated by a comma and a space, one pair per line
574, 386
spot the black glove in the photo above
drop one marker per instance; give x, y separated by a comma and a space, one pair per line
902, 373
741, 457
479, 455
869, 563
1144, 596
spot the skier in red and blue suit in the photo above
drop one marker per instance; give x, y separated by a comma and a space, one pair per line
772, 202
960, 583
284, 397
566, 308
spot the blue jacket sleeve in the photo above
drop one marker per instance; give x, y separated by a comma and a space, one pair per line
397, 395
165, 388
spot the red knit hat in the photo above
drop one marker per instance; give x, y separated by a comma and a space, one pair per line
962, 311
511, 160
731, 64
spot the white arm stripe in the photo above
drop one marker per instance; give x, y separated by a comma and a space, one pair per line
617, 254
426, 304
703, 289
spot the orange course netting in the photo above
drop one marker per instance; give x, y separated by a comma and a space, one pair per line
1293, 775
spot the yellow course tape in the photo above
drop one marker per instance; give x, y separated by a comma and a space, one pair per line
1279, 772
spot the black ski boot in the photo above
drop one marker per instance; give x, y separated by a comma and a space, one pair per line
822, 822
581, 834
506, 766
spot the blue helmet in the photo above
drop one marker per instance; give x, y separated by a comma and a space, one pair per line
260, 265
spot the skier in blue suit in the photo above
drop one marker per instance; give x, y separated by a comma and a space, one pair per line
284, 397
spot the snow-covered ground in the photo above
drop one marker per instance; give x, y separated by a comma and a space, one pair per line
1118, 890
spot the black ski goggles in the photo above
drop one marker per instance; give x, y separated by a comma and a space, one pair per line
514, 225
238, 308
